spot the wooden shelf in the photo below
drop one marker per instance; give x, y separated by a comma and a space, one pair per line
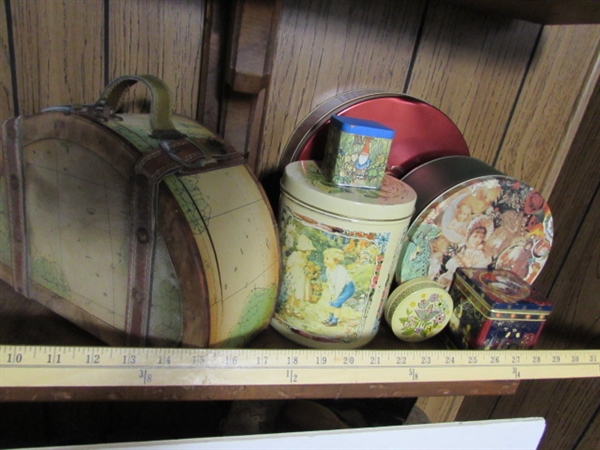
25, 322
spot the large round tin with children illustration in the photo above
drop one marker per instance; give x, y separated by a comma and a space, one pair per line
340, 247
468, 214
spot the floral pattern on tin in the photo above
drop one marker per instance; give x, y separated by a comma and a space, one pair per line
425, 317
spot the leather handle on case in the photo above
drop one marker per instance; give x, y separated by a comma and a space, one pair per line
160, 106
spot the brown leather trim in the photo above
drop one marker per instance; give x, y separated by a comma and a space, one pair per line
182, 156
12, 141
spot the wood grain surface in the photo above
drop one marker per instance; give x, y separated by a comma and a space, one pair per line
537, 141
6, 90
471, 65
58, 52
162, 38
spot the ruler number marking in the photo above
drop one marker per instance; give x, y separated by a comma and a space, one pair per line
198, 359
128, 359
145, 376
92, 358
15, 358
291, 376
53, 358
164, 360
321, 360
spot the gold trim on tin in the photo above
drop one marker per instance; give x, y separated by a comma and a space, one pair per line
495, 314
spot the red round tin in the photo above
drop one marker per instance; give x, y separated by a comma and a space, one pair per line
422, 132
469, 214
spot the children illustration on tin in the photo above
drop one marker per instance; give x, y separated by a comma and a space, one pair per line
472, 253
340, 285
297, 282
329, 279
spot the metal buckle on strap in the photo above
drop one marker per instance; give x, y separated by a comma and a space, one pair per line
209, 151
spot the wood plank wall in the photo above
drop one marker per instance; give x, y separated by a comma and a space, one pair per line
521, 93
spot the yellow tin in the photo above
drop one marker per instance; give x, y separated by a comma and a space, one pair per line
340, 246
418, 309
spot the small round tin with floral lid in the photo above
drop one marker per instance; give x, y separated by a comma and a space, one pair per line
418, 309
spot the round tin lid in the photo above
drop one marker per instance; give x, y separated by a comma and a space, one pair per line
422, 132
304, 181
471, 215
418, 309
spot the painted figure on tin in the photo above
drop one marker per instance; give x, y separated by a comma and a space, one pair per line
341, 287
296, 278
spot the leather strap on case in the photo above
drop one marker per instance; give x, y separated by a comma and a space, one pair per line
11, 143
186, 156
160, 107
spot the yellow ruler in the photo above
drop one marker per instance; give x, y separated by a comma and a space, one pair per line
57, 366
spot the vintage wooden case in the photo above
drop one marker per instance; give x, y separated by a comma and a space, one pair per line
144, 229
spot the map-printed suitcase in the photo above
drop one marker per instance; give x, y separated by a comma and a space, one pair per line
143, 229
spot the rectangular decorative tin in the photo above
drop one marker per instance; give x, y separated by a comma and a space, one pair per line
495, 309
357, 151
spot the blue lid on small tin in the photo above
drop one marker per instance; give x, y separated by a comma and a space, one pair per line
362, 126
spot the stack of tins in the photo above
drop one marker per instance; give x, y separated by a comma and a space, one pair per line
467, 213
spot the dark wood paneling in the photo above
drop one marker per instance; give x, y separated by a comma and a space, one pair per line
59, 52
541, 11
162, 38
471, 65
6, 90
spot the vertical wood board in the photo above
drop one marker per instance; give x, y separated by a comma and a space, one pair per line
6, 88
470, 65
58, 52
535, 141
325, 48
162, 38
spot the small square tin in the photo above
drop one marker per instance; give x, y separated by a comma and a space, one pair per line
357, 151
495, 309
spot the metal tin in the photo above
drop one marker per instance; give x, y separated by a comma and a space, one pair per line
495, 310
339, 249
469, 214
422, 132
357, 151
418, 309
